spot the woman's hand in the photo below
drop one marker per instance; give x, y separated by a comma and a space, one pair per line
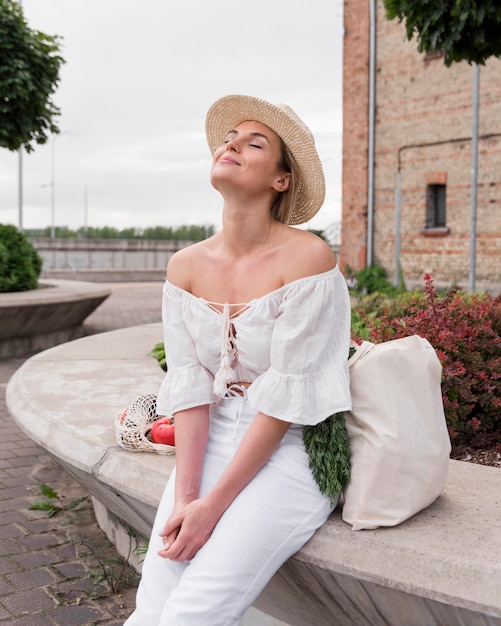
187, 530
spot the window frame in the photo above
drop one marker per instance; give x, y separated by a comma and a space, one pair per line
436, 205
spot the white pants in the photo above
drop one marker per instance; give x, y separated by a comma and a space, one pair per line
270, 520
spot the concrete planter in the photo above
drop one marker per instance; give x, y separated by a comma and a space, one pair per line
31, 321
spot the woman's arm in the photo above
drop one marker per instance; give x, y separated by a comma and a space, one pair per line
192, 427
189, 528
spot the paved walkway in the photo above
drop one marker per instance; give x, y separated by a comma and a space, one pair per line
60, 570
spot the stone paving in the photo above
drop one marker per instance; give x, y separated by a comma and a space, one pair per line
61, 570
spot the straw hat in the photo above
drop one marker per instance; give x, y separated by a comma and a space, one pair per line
230, 111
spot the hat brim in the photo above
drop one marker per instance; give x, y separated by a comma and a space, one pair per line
230, 111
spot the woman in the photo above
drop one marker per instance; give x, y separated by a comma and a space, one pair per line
256, 323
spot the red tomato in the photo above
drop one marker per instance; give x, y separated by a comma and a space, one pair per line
162, 431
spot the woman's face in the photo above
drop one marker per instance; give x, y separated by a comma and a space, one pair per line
250, 158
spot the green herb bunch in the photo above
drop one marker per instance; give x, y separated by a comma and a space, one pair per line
328, 450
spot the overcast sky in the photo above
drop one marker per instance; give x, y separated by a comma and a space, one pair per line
138, 80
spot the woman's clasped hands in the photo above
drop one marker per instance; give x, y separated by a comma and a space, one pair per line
187, 530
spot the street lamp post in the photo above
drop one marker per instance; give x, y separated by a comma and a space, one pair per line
20, 179
52, 186
20, 188
53, 191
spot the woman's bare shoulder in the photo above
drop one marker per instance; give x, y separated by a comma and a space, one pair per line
306, 254
181, 265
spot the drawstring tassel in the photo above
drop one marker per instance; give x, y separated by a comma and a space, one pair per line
224, 374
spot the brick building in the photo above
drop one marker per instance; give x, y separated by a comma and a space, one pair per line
423, 117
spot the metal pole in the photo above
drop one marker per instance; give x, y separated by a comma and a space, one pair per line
474, 176
20, 188
86, 214
370, 164
53, 190
398, 214
20, 179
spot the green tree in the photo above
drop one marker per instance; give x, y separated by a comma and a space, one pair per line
464, 30
180, 233
130, 233
29, 75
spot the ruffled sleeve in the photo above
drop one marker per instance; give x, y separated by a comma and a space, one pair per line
308, 378
187, 383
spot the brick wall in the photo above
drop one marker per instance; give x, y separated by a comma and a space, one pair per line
355, 134
420, 102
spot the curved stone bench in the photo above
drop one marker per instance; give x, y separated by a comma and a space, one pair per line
441, 567
34, 320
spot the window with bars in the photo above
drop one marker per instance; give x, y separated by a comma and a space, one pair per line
435, 206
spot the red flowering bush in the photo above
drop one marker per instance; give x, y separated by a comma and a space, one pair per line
465, 332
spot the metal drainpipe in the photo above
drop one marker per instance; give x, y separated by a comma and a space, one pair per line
474, 177
398, 214
372, 104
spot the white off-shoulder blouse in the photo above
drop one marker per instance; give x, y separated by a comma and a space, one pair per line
292, 344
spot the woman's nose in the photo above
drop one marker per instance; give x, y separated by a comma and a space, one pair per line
232, 145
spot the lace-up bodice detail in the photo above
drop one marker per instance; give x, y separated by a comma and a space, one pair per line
226, 374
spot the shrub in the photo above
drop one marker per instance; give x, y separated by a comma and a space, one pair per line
377, 303
360, 324
20, 263
465, 332
373, 279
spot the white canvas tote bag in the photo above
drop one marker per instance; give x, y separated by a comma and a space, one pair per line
398, 436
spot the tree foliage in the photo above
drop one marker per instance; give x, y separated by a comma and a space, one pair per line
464, 30
190, 232
29, 75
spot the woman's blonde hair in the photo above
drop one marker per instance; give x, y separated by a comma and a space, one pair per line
286, 201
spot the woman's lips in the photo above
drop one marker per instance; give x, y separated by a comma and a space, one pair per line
227, 159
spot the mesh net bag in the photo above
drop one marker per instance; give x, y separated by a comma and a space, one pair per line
132, 426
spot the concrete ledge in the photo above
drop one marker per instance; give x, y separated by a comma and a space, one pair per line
440, 567
38, 319
106, 275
